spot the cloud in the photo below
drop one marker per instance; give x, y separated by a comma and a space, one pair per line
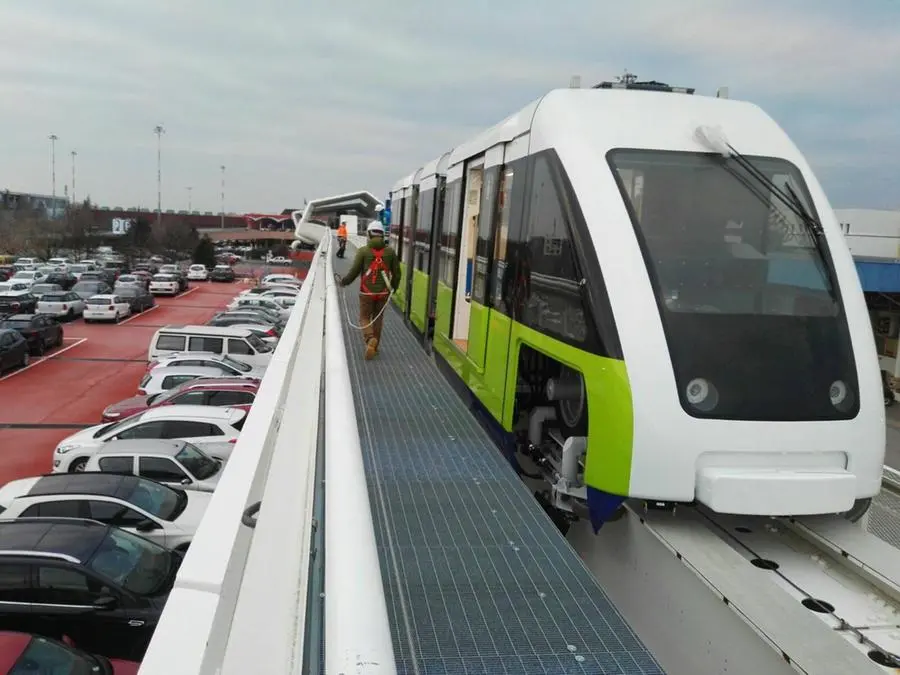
316, 98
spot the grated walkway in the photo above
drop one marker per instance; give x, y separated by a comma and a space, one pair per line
477, 578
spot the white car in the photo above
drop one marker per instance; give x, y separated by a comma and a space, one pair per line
129, 280
220, 362
281, 279
197, 423
29, 277
42, 289
61, 304
257, 301
160, 379
105, 307
78, 269
26, 263
197, 273
278, 260
14, 286
272, 290
168, 269
164, 284
177, 463
157, 512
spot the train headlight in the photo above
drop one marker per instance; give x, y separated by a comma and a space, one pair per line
840, 395
702, 394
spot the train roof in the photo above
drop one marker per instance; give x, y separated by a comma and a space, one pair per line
658, 118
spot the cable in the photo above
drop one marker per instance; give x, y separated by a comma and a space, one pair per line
376, 317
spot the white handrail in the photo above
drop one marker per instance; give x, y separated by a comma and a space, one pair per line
357, 633
196, 625
890, 477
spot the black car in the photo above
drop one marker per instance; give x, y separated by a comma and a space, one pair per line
103, 587
39, 330
138, 298
90, 288
13, 350
13, 302
64, 280
225, 274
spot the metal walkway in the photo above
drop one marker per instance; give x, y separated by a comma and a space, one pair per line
884, 517
476, 576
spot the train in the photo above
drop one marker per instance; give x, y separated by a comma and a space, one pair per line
648, 293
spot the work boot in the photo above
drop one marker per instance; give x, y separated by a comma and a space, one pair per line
371, 348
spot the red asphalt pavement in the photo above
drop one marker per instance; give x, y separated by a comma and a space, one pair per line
98, 364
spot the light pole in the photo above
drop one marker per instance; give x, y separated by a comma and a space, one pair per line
222, 217
53, 139
159, 131
189, 198
74, 155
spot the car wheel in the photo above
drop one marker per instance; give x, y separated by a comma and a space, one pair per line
39, 350
59, 339
26, 359
77, 466
70, 315
117, 318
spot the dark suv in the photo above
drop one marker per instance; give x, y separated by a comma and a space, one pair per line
103, 587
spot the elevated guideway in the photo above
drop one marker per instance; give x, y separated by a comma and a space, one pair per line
367, 524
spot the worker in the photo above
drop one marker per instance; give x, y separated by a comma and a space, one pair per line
342, 239
379, 267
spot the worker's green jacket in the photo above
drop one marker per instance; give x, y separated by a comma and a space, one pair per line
363, 260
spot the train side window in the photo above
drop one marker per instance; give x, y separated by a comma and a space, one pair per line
501, 235
423, 230
554, 303
409, 230
396, 228
449, 233
483, 244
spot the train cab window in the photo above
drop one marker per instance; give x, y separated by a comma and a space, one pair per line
552, 301
483, 243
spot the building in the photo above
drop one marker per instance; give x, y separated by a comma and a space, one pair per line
49, 206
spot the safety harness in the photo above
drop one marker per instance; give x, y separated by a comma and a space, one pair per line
370, 276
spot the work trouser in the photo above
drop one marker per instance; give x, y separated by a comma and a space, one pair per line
369, 307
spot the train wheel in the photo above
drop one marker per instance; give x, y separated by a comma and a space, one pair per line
571, 407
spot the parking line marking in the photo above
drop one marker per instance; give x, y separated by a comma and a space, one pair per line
40, 360
134, 316
187, 292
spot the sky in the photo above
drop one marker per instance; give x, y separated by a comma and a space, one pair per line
309, 99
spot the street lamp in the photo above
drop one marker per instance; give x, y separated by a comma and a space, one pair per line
222, 218
159, 131
74, 155
53, 139
189, 198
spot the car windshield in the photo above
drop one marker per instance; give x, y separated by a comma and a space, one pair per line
126, 279
114, 427
163, 277
78, 268
99, 301
138, 565
87, 286
43, 655
194, 460
128, 292
17, 323
53, 297
257, 344
24, 275
238, 365
157, 499
44, 288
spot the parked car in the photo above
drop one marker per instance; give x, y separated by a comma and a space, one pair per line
226, 392
197, 423
157, 512
128, 280
281, 279
268, 316
13, 302
39, 330
164, 284
160, 379
175, 463
24, 653
106, 307
40, 290
62, 305
197, 273
222, 273
259, 301
137, 297
13, 350
103, 587
30, 277
222, 362
87, 289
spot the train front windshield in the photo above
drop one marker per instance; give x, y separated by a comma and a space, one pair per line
750, 304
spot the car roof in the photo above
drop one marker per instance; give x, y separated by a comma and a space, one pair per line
201, 330
200, 371
177, 356
103, 296
194, 412
154, 446
19, 317
227, 383
76, 538
106, 484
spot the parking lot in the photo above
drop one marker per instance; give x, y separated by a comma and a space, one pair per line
98, 364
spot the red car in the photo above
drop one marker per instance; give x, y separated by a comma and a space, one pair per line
225, 391
24, 653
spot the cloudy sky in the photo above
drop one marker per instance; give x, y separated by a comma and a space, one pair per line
312, 98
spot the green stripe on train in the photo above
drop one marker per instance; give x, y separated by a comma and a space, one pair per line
610, 409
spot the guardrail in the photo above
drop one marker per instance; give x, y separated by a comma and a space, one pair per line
239, 604
890, 477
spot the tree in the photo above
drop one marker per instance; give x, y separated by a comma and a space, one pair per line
281, 250
205, 252
80, 230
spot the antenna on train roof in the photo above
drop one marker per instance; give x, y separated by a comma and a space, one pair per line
630, 81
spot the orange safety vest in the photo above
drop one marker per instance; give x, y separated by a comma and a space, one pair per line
376, 267
342, 232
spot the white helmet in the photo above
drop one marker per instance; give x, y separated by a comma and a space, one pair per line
375, 228
379, 208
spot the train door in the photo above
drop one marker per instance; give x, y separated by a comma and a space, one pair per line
468, 239
434, 263
408, 257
